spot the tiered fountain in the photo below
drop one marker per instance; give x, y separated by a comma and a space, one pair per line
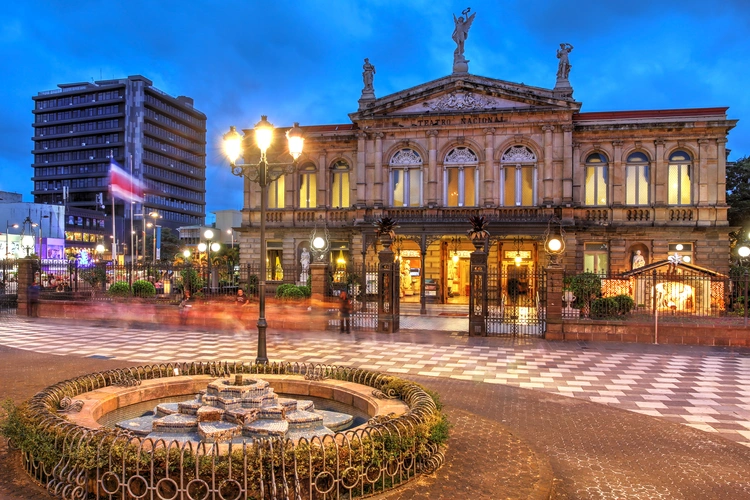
237, 409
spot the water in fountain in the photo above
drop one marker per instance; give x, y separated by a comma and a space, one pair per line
233, 410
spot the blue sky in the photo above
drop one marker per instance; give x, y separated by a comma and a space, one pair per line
302, 60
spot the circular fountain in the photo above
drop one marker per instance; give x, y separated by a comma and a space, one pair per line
234, 410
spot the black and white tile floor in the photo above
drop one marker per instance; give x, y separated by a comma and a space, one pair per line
706, 388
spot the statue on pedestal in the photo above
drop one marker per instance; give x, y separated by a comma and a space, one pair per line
563, 67
638, 260
368, 70
460, 34
305, 262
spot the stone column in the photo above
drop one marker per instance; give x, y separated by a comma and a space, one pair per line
318, 280
577, 175
616, 176
322, 182
489, 164
478, 290
548, 175
659, 176
379, 187
361, 170
554, 303
721, 171
700, 184
432, 182
567, 178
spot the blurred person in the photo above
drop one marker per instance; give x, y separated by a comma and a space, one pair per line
32, 299
345, 308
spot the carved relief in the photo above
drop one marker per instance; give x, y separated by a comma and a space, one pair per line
461, 156
518, 154
406, 157
457, 101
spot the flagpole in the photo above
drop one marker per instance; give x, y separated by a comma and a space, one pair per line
114, 220
132, 247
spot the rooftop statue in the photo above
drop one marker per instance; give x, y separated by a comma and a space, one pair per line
563, 67
368, 70
461, 33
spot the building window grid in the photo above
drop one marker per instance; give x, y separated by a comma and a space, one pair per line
637, 179
597, 180
461, 178
340, 185
406, 178
519, 177
308, 191
680, 174
596, 258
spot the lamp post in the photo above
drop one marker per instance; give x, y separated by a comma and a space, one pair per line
7, 227
262, 173
209, 235
230, 232
27, 235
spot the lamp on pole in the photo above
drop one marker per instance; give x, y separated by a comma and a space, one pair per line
7, 248
28, 236
262, 173
209, 235
231, 232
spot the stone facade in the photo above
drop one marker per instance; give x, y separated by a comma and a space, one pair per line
435, 154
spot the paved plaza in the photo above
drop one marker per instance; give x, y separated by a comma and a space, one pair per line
546, 416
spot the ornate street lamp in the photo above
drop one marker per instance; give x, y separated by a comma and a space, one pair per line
28, 235
554, 240
262, 173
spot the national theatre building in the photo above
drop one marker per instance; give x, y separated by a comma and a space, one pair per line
622, 183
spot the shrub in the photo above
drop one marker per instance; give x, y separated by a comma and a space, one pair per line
252, 284
143, 289
306, 290
282, 289
624, 303
604, 307
119, 289
293, 293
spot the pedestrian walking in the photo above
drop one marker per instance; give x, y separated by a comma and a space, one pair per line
345, 309
185, 306
32, 300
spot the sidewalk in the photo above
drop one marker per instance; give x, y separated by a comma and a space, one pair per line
507, 441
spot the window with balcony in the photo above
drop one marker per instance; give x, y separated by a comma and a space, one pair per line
637, 179
518, 177
308, 191
340, 185
680, 170
596, 180
461, 182
406, 178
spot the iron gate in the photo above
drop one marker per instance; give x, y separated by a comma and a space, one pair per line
363, 291
516, 302
8, 286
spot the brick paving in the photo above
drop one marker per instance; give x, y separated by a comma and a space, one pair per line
525, 412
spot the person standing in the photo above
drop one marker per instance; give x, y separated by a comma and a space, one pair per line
32, 300
185, 306
345, 308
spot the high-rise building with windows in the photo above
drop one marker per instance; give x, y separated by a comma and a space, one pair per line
161, 139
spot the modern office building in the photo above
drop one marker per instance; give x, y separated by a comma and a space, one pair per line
623, 184
30, 228
160, 139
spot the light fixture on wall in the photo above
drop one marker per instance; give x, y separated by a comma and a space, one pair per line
554, 240
319, 243
518, 258
455, 249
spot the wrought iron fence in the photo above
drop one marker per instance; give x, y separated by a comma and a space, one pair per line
671, 294
8, 286
516, 301
87, 463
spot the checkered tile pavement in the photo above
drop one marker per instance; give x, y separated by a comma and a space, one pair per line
705, 388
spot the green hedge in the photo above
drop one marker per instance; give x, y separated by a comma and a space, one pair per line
119, 289
143, 289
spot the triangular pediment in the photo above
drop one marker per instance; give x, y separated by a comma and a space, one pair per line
462, 94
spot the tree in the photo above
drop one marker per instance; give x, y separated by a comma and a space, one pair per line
170, 245
738, 196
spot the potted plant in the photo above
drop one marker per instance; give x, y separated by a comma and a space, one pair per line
385, 226
478, 232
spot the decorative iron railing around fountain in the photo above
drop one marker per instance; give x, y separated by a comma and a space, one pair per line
75, 462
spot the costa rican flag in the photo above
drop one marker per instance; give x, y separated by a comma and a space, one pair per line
123, 185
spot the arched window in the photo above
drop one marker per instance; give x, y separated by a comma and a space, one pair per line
461, 178
340, 184
518, 177
596, 179
308, 191
406, 178
680, 172
637, 179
